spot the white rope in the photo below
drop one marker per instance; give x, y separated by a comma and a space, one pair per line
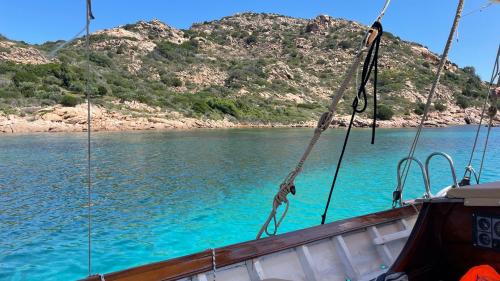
324, 122
382, 12
442, 62
214, 267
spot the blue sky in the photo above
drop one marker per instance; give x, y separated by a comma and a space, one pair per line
425, 21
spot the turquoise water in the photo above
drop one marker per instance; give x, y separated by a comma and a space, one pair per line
159, 195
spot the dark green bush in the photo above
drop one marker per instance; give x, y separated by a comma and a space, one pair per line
24, 76
251, 39
471, 91
70, 100
345, 44
384, 112
419, 108
390, 81
439, 106
243, 72
225, 106
177, 52
463, 101
201, 107
100, 59
171, 81
102, 90
469, 70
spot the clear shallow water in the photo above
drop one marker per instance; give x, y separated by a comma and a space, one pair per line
158, 195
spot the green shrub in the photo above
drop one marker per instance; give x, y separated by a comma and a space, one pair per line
70, 100
439, 106
312, 105
345, 44
469, 70
463, 101
471, 91
121, 49
100, 59
171, 81
24, 76
419, 108
450, 76
251, 39
384, 112
102, 90
243, 72
28, 89
225, 106
177, 52
201, 107
390, 81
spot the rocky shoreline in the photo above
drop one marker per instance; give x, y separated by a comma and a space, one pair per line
142, 117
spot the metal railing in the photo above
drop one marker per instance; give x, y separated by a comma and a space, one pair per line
450, 161
398, 194
399, 189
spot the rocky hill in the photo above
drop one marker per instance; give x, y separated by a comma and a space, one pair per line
246, 69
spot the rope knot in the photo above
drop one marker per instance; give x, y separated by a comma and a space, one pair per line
281, 196
373, 33
324, 121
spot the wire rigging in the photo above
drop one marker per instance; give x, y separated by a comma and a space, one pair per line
481, 8
89, 16
442, 62
53, 53
469, 170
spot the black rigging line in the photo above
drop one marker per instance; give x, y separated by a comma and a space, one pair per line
371, 63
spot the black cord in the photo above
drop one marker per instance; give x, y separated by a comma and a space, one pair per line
371, 62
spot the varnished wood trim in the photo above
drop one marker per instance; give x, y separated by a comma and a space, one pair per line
189, 265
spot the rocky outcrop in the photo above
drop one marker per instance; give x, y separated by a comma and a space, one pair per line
156, 29
10, 51
74, 119
321, 22
137, 116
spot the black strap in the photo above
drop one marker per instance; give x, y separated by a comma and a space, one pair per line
371, 63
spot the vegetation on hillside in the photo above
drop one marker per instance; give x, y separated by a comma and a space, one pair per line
260, 68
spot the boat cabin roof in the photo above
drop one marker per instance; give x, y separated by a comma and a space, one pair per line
487, 194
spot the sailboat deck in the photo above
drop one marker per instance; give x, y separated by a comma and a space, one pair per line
359, 248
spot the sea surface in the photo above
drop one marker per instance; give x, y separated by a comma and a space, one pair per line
158, 195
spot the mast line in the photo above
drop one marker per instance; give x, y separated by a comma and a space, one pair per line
89, 178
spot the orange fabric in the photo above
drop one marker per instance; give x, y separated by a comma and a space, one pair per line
481, 273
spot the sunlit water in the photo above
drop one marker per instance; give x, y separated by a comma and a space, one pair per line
157, 195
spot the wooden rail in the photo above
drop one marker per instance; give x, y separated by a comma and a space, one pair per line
190, 265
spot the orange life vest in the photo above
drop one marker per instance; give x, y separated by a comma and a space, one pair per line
481, 273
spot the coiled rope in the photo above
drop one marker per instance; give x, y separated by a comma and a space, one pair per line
442, 62
371, 63
288, 185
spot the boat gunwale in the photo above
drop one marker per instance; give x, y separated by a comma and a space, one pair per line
192, 264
